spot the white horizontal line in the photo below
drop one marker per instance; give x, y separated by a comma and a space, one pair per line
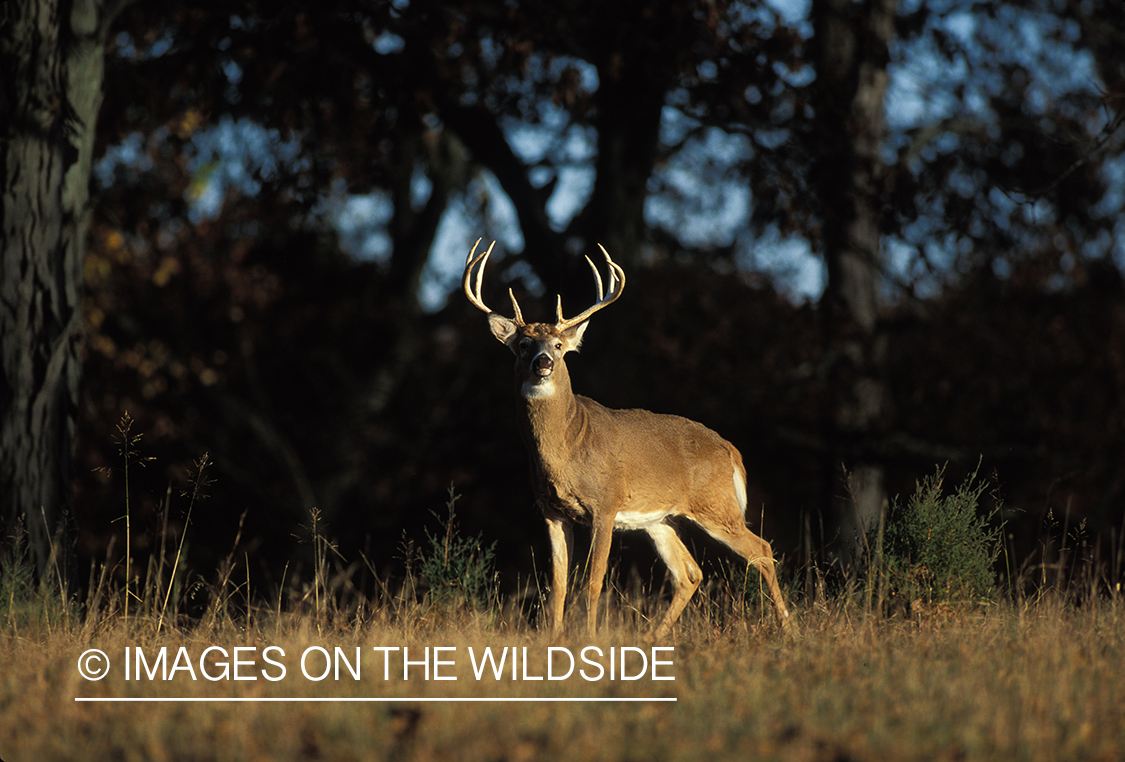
379, 699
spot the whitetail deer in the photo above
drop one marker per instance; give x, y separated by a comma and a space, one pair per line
617, 469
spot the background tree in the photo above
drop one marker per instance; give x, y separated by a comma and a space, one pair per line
51, 62
849, 181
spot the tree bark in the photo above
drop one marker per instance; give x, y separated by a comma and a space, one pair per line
630, 100
51, 69
851, 55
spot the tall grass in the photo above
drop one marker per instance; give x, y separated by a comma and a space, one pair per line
1038, 680
981, 677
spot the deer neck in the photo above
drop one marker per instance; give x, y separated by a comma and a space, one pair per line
550, 416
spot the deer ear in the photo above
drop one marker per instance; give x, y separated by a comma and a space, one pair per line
503, 329
572, 337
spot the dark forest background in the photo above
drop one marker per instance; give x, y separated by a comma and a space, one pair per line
955, 167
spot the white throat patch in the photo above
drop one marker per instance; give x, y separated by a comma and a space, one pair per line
536, 388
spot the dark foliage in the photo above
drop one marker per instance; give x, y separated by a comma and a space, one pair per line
316, 379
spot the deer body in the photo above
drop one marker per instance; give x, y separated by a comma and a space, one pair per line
618, 469
586, 456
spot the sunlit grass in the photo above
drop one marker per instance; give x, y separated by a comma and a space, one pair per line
1042, 680
1037, 678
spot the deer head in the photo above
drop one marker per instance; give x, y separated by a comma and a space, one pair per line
539, 347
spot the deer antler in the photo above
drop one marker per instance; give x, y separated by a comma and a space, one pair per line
616, 286
472, 286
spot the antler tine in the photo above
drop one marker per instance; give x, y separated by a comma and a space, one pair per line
472, 285
472, 251
516, 307
616, 287
598, 277
471, 289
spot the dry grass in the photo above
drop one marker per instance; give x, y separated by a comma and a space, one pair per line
1037, 681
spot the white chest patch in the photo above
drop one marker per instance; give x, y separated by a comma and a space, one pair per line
536, 389
638, 519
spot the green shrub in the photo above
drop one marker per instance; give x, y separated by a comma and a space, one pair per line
938, 547
458, 570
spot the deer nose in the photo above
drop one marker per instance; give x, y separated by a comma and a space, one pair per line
542, 364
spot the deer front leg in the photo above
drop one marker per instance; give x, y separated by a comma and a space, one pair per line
600, 541
562, 545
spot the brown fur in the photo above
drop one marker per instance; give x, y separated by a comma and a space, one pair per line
592, 465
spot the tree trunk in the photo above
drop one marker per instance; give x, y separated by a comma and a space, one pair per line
51, 68
630, 102
851, 53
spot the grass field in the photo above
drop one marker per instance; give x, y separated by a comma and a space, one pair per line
317, 671
1038, 680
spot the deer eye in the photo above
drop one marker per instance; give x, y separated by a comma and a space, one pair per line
558, 345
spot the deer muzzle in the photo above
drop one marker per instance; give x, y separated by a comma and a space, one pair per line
542, 365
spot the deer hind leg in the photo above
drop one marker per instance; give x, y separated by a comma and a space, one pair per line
562, 547
759, 553
685, 572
